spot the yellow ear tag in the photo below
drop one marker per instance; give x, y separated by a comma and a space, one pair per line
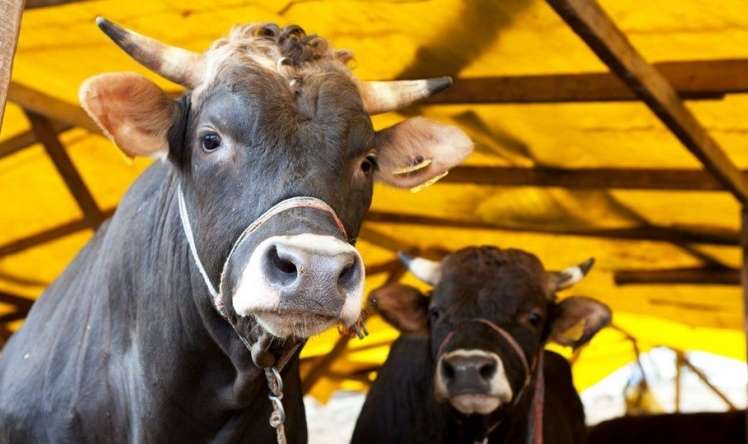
409, 169
575, 332
428, 183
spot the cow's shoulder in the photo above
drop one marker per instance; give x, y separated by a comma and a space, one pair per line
566, 424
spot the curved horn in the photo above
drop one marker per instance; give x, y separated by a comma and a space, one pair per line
569, 276
428, 271
380, 97
176, 64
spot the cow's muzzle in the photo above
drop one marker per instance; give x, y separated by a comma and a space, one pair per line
473, 381
300, 285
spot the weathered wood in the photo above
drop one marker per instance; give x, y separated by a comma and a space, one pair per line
10, 24
744, 276
44, 131
26, 139
702, 79
587, 178
686, 276
46, 105
674, 234
591, 23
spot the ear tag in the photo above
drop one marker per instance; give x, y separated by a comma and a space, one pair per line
409, 169
575, 332
428, 183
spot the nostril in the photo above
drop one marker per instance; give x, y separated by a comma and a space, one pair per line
284, 265
347, 275
488, 370
448, 370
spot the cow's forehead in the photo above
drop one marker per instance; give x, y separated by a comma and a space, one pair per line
512, 277
287, 52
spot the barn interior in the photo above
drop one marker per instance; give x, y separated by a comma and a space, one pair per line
615, 130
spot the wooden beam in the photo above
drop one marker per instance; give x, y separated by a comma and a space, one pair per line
591, 23
48, 235
684, 276
33, 4
660, 179
705, 380
702, 79
56, 109
675, 234
10, 24
26, 139
44, 131
20, 302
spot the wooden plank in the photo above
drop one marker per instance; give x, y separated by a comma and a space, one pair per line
48, 235
701, 79
49, 106
26, 139
20, 302
662, 179
675, 234
684, 276
44, 131
10, 24
591, 23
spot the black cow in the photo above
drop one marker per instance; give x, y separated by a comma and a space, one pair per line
238, 238
470, 365
680, 428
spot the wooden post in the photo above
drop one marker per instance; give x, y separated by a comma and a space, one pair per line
678, 375
744, 276
10, 23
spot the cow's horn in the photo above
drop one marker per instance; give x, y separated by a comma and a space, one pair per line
176, 64
380, 97
569, 276
428, 271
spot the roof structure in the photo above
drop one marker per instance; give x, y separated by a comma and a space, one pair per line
615, 130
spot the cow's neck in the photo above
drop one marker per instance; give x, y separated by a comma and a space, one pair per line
208, 367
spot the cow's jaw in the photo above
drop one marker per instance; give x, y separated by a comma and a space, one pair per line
301, 285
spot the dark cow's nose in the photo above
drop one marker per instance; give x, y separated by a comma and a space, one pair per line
289, 264
468, 373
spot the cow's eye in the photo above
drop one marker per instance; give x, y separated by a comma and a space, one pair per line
210, 141
535, 318
434, 314
369, 164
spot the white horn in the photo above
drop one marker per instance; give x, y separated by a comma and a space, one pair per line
428, 271
381, 97
569, 276
176, 64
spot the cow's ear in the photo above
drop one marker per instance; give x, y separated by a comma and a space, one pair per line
402, 306
418, 152
131, 110
577, 319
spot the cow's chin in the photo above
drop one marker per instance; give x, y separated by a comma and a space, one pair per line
475, 404
297, 324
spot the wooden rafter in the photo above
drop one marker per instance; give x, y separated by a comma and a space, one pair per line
10, 23
33, 4
660, 179
684, 276
673, 234
25, 139
703, 79
45, 133
20, 302
46, 105
592, 24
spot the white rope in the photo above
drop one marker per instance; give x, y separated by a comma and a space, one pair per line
185, 218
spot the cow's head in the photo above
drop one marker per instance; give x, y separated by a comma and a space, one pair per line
270, 114
476, 366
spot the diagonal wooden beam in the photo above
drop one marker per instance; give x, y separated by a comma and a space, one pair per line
675, 234
44, 131
10, 24
42, 103
48, 235
594, 26
20, 302
25, 139
684, 276
701, 79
